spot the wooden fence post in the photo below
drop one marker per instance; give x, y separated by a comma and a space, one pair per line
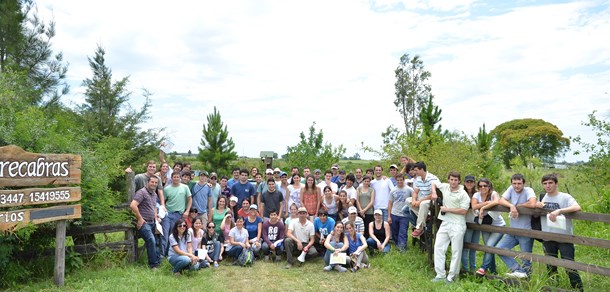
60, 253
131, 186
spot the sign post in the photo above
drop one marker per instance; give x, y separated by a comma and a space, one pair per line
19, 168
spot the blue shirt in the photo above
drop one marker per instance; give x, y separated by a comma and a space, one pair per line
243, 191
231, 182
252, 227
353, 245
201, 195
324, 228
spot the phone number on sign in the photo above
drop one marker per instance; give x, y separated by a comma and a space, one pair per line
38, 196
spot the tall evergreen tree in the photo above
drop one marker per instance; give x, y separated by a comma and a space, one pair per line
430, 117
217, 148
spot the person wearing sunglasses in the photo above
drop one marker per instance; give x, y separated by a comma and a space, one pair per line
213, 242
180, 254
487, 198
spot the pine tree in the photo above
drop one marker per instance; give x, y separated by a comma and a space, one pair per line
217, 148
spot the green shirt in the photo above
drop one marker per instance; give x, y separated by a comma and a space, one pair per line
176, 198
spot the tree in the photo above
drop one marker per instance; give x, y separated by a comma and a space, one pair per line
412, 91
488, 163
430, 116
528, 138
217, 149
313, 152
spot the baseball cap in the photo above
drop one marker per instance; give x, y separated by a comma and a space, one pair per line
234, 199
283, 173
203, 172
352, 209
302, 209
378, 212
317, 171
335, 166
213, 175
469, 178
253, 206
276, 169
393, 166
269, 171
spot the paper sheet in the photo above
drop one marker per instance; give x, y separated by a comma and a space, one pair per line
560, 222
340, 258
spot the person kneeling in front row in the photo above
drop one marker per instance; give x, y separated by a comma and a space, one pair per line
300, 238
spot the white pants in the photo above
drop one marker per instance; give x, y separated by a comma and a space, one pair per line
449, 233
421, 211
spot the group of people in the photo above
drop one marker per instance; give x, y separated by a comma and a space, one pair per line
338, 216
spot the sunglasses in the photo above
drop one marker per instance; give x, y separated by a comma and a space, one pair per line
483, 186
210, 227
181, 225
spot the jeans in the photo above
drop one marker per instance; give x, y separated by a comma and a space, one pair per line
167, 224
552, 248
265, 250
292, 249
214, 255
448, 233
399, 228
373, 245
384, 215
471, 236
489, 260
235, 251
147, 232
180, 263
525, 244
328, 252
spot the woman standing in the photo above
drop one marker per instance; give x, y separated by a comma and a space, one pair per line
379, 232
294, 191
471, 236
310, 197
218, 213
484, 199
357, 247
335, 243
365, 201
180, 254
329, 203
238, 238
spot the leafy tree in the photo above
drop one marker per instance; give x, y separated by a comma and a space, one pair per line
430, 116
25, 46
312, 151
527, 138
488, 164
217, 148
412, 91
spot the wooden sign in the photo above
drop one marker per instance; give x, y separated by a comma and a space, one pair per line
21, 168
38, 196
10, 220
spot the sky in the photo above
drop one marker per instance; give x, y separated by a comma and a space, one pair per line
272, 68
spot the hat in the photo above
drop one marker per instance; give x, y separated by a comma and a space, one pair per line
409, 180
469, 178
283, 173
335, 166
269, 171
276, 169
393, 166
302, 209
378, 211
317, 171
203, 172
253, 206
352, 209
213, 174
234, 199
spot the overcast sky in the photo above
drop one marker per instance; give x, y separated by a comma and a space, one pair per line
274, 67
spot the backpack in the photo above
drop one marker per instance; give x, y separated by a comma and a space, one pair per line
246, 257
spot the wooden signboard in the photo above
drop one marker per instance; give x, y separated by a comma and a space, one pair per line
19, 168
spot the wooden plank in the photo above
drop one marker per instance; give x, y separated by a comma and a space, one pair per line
541, 259
13, 220
38, 196
60, 253
103, 228
588, 241
19, 168
88, 249
595, 217
131, 185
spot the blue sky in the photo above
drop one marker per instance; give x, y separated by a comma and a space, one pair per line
274, 67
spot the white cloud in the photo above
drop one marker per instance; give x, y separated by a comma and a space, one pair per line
274, 67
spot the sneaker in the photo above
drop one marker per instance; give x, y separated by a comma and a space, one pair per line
517, 274
448, 281
215, 264
438, 279
354, 269
328, 268
278, 258
340, 268
481, 272
417, 232
288, 266
266, 258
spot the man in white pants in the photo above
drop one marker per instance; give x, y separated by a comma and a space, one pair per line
455, 205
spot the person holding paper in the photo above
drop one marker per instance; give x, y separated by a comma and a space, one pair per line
560, 203
336, 243
300, 238
273, 236
356, 247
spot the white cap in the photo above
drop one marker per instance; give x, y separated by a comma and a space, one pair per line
378, 211
276, 169
253, 206
269, 170
393, 166
352, 209
234, 199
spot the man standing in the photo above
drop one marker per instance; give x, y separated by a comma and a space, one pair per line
335, 172
399, 221
341, 181
393, 173
382, 189
141, 181
271, 199
202, 197
243, 189
518, 195
262, 187
300, 238
235, 178
423, 192
144, 207
316, 174
214, 188
359, 177
282, 187
453, 214
276, 175
178, 202
327, 182
352, 193
560, 203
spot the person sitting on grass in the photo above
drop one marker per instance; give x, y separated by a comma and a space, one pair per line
379, 232
356, 221
254, 224
196, 234
357, 247
294, 215
335, 243
300, 238
225, 227
273, 236
180, 254
323, 225
214, 243
238, 237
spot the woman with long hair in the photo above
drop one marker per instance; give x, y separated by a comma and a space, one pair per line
342, 205
310, 196
180, 254
293, 216
219, 213
483, 200
294, 192
364, 202
196, 232
225, 227
335, 243
329, 203
471, 236
357, 247
163, 170
214, 243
